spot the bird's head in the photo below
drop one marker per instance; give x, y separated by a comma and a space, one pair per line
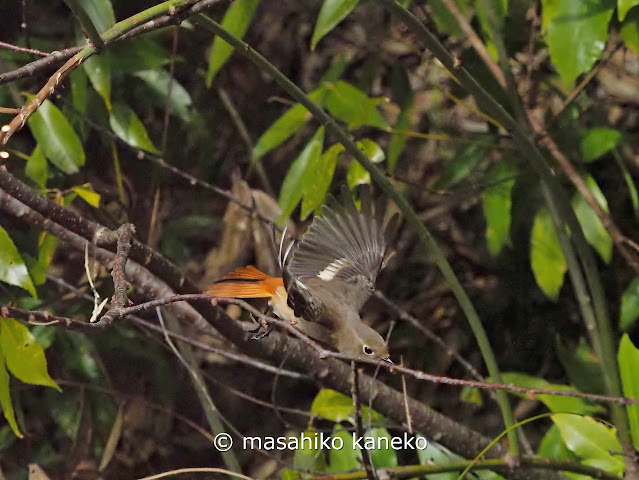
359, 340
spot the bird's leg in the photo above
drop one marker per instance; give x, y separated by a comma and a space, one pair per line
262, 330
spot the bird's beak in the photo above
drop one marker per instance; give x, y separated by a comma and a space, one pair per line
387, 359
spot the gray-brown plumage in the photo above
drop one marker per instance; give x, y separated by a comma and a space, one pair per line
327, 277
331, 273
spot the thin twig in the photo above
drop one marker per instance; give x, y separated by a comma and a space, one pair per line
120, 300
46, 318
17, 48
359, 430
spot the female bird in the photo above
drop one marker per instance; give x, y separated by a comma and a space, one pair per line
327, 278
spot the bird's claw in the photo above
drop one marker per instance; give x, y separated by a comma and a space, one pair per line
262, 330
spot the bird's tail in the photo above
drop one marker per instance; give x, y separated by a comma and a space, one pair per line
245, 282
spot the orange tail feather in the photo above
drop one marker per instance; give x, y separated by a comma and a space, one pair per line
245, 282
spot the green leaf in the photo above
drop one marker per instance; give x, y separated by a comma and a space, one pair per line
306, 457
576, 33
236, 20
497, 203
623, 6
79, 90
595, 232
500, 9
23, 355
126, 125
385, 456
5, 397
629, 311
337, 407
59, 142
436, 454
331, 13
460, 167
354, 107
294, 184
471, 395
546, 257
46, 249
554, 403
591, 440
598, 141
553, 446
86, 193
12, 268
100, 12
628, 359
357, 175
36, 168
346, 458
285, 127
161, 82
372, 150
630, 30
98, 69
444, 20
319, 177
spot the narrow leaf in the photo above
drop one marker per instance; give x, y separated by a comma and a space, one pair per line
126, 125
285, 127
331, 13
5, 397
98, 69
100, 12
161, 83
629, 312
320, 175
36, 168
23, 355
354, 107
496, 204
296, 178
57, 139
595, 232
628, 359
236, 20
12, 268
546, 257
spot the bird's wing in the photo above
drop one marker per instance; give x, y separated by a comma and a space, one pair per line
340, 255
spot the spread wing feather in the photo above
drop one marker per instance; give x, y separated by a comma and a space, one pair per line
338, 259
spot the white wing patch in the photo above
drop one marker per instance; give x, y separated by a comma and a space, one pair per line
333, 269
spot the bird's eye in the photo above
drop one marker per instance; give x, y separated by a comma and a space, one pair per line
368, 350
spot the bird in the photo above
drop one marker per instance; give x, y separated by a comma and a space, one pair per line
327, 277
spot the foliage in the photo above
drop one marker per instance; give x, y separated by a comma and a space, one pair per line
88, 147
